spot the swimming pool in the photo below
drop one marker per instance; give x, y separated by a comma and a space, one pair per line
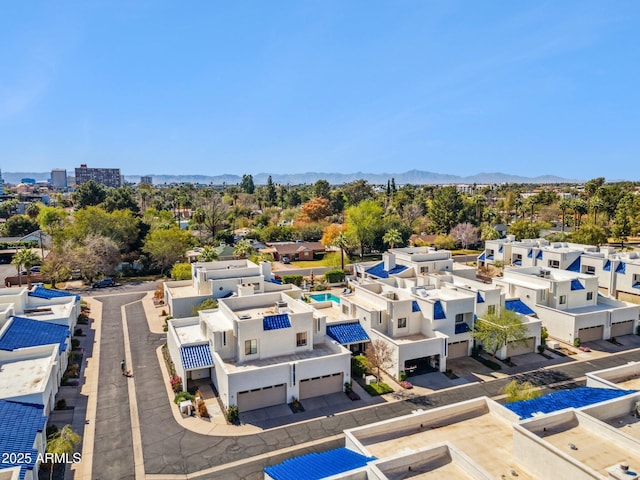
324, 297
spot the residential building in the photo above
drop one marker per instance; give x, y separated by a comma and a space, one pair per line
109, 177
260, 350
59, 178
218, 280
23, 439
148, 179
568, 303
293, 250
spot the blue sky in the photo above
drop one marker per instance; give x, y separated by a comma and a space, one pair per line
153, 87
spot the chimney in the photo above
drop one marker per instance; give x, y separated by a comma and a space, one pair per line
389, 261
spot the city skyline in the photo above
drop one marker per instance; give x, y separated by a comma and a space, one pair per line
454, 88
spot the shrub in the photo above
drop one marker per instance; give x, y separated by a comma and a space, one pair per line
334, 276
52, 431
541, 348
78, 332
181, 271
359, 365
61, 404
516, 391
208, 304
544, 335
295, 279
348, 387
378, 388
576, 342
232, 414
83, 319
321, 287
402, 376
75, 343
406, 384
202, 409
181, 397
176, 383
72, 371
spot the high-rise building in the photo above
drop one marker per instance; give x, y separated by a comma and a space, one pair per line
109, 177
146, 179
59, 178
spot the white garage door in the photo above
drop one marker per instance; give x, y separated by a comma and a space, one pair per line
313, 387
520, 348
590, 334
622, 328
262, 397
458, 349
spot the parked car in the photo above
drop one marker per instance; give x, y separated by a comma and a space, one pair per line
285, 260
35, 269
105, 282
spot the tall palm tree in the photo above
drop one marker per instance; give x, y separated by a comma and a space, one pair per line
26, 259
564, 205
342, 241
392, 237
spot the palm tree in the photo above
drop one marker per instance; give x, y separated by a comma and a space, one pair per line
27, 259
579, 207
392, 237
595, 204
243, 248
564, 205
342, 241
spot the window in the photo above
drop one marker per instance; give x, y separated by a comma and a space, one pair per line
590, 270
491, 309
256, 287
317, 324
301, 339
589, 295
402, 322
554, 263
250, 347
424, 269
459, 317
224, 339
563, 299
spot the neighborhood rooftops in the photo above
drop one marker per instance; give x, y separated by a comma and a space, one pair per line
21, 423
24, 332
48, 293
346, 333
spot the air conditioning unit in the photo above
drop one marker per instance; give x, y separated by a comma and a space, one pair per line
244, 316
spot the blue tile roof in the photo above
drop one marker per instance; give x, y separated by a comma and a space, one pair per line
621, 268
462, 328
517, 262
518, 306
539, 255
275, 322
379, 271
575, 266
438, 311
530, 254
20, 422
415, 306
482, 257
501, 249
576, 398
315, 466
196, 356
345, 333
576, 285
48, 293
276, 281
607, 266
479, 298
24, 332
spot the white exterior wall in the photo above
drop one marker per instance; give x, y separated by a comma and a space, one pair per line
173, 344
625, 281
564, 326
15, 295
534, 329
451, 309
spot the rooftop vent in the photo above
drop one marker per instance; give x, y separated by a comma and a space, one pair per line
244, 316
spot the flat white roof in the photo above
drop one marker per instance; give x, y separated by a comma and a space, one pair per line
24, 377
190, 334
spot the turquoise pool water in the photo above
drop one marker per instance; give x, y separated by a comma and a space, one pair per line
325, 297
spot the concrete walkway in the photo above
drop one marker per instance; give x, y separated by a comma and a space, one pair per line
173, 447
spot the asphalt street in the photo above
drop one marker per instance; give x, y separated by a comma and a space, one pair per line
169, 449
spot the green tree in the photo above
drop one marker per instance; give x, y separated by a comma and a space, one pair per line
208, 254
56, 266
445, 210
445, 242
65, 442
489, 233
89, 194
356, 192
19, 226
565, 204
270, 194
516, 391
243, 248
392, 237
495, 330
361, 221
208, 304
621, 228
26, 259
321, 189
590, 234
247, 185
120, 199
120, 225
52, 219
168, 246
579, 208
33, 209
342, 242
181, 271
523, 229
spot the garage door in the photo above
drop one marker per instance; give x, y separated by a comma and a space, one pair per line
520, 348
622, 328
262, 397
458, 349
590, 334
313, 387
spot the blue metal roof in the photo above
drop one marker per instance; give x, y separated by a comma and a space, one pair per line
24, 332
462, 328
415, 306
621, 268
479, 298
276, 281
48, 293
575, 266
20, 422
482, 257
379, 271
576, 398
275, 322
576, 285
315, 466
607, 266
530, 254
539, 255
518, 306
346, 333
196, 356
438, 311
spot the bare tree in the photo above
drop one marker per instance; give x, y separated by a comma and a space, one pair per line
465, 233
379, 355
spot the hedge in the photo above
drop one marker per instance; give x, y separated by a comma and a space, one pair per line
334, 276
295, 279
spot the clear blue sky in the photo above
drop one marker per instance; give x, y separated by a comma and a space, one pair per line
208, 87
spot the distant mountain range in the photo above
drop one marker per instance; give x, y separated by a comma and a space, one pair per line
415, 177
